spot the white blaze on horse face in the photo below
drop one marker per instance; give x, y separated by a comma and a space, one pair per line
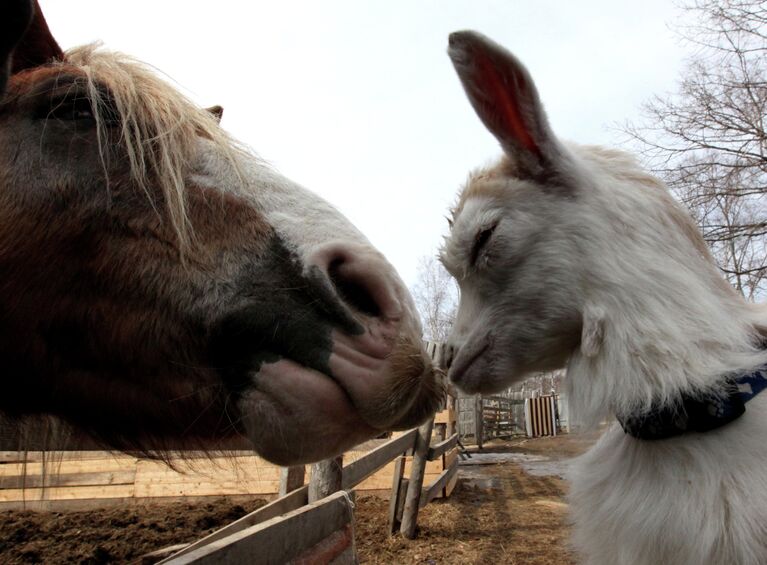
365, 366
315, 230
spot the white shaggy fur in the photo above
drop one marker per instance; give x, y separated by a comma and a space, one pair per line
573, 256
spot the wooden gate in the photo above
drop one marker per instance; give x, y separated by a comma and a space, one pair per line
541, 416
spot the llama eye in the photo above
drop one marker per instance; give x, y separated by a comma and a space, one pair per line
480, 242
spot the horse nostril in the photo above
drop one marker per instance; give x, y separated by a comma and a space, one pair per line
352, 287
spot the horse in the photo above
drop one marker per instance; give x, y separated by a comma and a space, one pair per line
573, 256
164, 289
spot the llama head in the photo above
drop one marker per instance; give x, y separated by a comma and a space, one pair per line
510, 246
573, 254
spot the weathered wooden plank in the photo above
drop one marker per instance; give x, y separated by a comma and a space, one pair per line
86, 455
410, 512
161, 475
336, 549
68, 479
445, 417
434, 489
450, 487
66, 493
383, 482
438, 449
67, 467
287, 503
348, 557
451, 405
34, 456
291, 478
326, 478
206, 488
276, 541
478, 432
359, 470
218, 477
88, 504
397, 497
156, 555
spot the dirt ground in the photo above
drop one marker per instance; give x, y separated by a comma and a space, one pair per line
498, 513
508, 507
113, 535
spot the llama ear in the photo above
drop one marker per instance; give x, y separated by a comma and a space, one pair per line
504, 96
593, 333
15, 17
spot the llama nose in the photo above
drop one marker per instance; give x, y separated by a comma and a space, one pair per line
361, 280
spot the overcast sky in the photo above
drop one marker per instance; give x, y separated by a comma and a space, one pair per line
358, 101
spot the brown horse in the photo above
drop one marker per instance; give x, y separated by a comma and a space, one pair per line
160, 287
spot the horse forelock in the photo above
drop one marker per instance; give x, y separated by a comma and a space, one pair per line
159, 128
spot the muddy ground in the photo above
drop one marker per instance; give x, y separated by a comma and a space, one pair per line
508, 507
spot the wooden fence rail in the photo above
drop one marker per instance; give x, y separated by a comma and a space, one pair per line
321, 532
241, 540
352, 475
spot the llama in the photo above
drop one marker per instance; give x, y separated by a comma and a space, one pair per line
572, 256
162, 288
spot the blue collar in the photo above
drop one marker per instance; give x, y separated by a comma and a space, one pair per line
697, 414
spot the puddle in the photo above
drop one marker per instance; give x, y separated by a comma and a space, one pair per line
483, 483
537, 465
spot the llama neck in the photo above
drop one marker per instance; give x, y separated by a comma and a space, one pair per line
664, 336
669, 324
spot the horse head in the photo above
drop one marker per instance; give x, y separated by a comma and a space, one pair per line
162, 287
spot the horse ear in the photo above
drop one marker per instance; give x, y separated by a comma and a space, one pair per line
37, 46
16, 16
217, 111
504, 96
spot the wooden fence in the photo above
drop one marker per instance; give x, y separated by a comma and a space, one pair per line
81, 480
541, 416
484, 417
309, 524
314, 522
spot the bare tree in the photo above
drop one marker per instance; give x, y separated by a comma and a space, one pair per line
436, 297
709, 141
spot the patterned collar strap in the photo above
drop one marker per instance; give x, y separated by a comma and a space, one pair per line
697, 414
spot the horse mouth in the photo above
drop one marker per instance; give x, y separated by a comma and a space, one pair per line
297, 413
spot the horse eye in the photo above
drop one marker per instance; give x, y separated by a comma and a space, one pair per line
481, 241
69, 109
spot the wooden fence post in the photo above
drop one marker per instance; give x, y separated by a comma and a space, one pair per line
291, 478
415, 483
479, 416
396, 500
326, 478
452, 405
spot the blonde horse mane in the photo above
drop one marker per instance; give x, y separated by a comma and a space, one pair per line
159, 127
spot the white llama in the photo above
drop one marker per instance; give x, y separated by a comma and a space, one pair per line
571, 255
